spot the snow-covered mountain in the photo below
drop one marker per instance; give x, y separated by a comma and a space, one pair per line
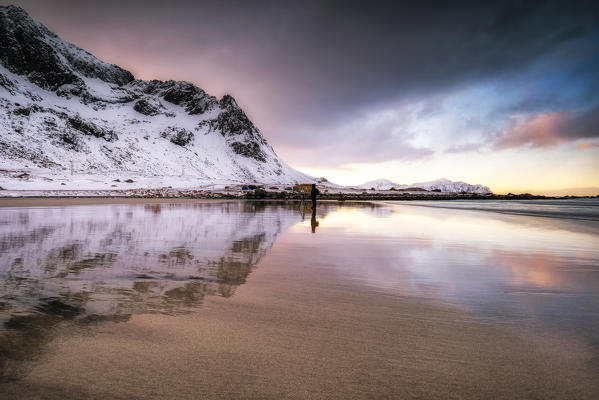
444, 185
380, 184
64, 112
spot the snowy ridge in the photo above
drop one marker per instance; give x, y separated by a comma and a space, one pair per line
443, 185
66, 113
380, 184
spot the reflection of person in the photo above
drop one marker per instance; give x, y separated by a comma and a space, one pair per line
313, 193
313, 221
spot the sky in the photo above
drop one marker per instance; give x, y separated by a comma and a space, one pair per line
503, 94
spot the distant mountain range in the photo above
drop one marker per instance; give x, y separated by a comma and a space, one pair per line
443, 185
64, 110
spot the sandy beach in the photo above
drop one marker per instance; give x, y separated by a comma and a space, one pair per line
301, 328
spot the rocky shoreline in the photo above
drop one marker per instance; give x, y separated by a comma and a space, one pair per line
261, 194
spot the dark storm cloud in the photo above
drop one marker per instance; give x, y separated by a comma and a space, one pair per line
301, 68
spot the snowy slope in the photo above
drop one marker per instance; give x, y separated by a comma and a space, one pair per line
65, 113
444, 185
380, 184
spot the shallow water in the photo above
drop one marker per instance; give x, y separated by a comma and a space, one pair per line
109, 260
67, 272
581, 208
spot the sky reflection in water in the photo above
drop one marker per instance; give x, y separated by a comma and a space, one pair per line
88, 264
487, 261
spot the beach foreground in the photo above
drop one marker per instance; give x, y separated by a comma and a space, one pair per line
251, 300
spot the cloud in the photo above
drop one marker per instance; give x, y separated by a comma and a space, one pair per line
539, 131
296, 65
376, 136
462, 148
547, 130
587, 145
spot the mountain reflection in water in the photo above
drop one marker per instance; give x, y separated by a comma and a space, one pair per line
87, 264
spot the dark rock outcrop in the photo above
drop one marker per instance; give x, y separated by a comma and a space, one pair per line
91, 129
179, 136
147, 106
106, 72
227, 102
193, 99
249, 149
7, 84
243, 136
77, 88
181, 92
23, 50
29, 48
26, 111
70, 140
234, 122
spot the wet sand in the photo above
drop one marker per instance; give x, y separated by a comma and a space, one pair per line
380, 302
77, 201
305, 333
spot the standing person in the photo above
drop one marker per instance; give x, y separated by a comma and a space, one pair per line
313, 193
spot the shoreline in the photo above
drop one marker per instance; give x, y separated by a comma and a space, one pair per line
186, 195
33, 201
17, 201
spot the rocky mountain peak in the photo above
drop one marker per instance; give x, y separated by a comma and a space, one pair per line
228, 102
185, 94
102, 119
29, 48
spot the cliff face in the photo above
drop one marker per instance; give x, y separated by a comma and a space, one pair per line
62, 107
29, 48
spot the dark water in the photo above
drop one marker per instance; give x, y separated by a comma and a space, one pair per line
86, 265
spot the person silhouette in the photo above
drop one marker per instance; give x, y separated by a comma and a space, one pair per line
313, 221
313, 193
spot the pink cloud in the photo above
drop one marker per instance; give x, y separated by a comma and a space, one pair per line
587, 145
547, 130
539, 131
